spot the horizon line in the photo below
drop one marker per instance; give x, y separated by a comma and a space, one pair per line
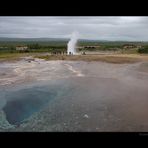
69, 38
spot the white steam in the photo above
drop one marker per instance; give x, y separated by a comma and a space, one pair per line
72, 43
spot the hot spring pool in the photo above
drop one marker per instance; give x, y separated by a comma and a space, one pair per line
20, 103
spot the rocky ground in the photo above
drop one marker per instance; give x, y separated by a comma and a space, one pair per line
92, 96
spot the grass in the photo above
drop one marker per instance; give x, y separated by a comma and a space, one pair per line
117, 59
13, 56
114, 58
130, 51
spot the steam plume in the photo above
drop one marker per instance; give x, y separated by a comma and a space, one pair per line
72, 43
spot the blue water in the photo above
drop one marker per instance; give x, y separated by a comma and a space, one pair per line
22, 103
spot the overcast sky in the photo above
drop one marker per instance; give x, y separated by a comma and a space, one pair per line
100, 28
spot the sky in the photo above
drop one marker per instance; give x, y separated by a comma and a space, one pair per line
98, 28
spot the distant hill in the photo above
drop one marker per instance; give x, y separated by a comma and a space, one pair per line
54, 39
63, 42
44, 39
31, 39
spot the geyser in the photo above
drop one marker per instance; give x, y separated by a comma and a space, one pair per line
71, 46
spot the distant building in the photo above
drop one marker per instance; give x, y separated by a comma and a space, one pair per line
91, 46
87, 47
22, 48
139, 46
129, 46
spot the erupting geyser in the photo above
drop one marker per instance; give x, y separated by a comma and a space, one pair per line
72, 44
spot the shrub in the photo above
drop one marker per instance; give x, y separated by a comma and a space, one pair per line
143, 50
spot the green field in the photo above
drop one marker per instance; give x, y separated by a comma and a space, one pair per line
8, 47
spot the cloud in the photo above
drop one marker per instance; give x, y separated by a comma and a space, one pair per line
108, 28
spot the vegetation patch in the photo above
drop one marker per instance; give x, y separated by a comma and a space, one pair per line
13, 56
102, 58
143, 49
